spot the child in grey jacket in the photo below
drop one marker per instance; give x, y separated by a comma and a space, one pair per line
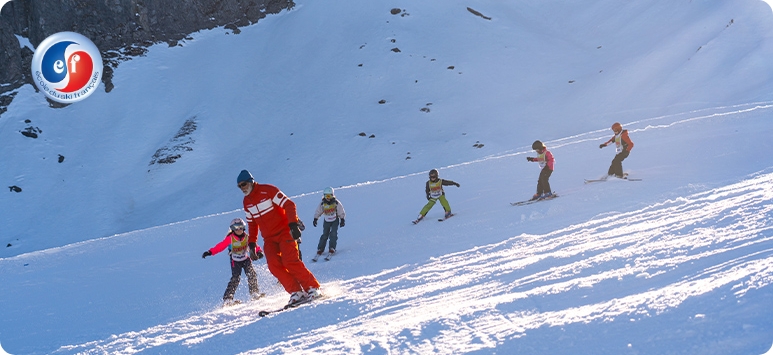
334, 214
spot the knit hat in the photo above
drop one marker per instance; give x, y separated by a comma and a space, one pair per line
244, 176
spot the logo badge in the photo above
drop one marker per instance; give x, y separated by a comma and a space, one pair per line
67, 67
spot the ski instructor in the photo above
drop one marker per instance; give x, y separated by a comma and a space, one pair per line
273, 214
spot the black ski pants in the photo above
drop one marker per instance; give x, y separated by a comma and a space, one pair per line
616, 168
329, 231
236, 272
543, 186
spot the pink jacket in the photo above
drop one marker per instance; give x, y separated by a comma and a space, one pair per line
547, 160
227, 242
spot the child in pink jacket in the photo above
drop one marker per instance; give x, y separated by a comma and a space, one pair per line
237, 242
546, 163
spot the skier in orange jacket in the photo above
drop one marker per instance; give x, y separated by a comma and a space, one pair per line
623, 144
274, 215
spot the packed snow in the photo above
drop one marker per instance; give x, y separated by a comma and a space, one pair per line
104, 248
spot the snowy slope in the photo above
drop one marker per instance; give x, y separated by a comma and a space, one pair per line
287, 99
678, 263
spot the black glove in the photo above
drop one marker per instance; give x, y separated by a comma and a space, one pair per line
260, 255
315, 222
602, 146
529, 158
343, 222
206, 254
253, 256
295, 231
301, 226
457, 185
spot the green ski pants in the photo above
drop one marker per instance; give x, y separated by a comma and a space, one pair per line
432, 201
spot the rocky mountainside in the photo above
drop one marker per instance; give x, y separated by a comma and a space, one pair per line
119, 28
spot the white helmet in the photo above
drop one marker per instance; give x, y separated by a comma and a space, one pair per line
237, 223
328, 191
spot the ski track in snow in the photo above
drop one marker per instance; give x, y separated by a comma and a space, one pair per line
479, 298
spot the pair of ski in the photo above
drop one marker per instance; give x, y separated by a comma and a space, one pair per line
588, 181
286, 307
625, 177
327, 257
439, 219
535, 200
234, 302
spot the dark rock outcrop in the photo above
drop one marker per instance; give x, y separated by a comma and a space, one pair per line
124, 26
182, 142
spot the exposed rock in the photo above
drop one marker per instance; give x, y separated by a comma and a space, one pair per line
5, 100
396, 50
31, 132
61, 158
15, 188
124, 26
178, 145
476, 13
395, 11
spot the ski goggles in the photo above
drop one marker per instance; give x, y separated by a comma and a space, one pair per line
237, 226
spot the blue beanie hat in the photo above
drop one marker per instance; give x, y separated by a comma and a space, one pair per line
244, 176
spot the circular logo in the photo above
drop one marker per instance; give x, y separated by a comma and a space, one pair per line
67, 67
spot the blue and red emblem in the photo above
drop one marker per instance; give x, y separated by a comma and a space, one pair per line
67, 67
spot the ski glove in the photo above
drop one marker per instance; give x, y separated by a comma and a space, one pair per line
315, 222
253, 255
295, 231
343, 222
602, 146
206, 254
457, 185
301, 226
529, 158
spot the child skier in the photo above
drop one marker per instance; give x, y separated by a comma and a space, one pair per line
546, 163
335, 216
623, 145
237, 243
434, 191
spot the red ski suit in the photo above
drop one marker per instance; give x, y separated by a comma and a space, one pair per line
270, 212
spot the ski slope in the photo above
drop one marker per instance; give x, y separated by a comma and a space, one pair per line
631, 268
658, 271
108, 261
